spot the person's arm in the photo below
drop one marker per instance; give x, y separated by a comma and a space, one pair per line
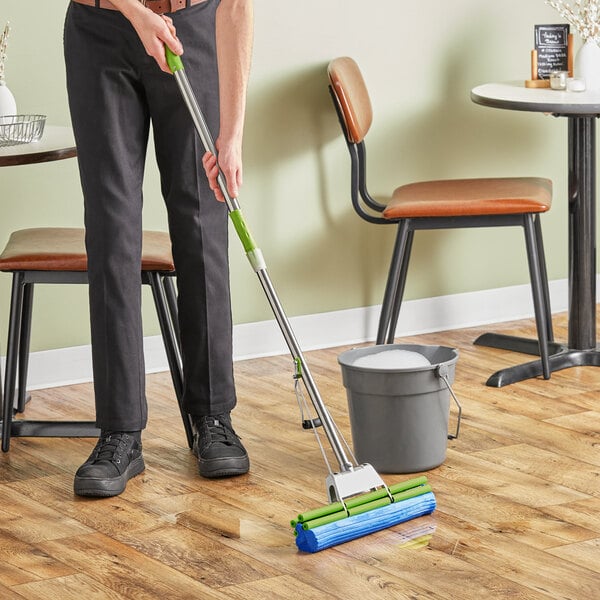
153, 30
234, 36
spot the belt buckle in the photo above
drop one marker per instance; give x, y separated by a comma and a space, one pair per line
172, 5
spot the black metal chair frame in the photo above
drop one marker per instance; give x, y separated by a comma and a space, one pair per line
367, 208
17, 356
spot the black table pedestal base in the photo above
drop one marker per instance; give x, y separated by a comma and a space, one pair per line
581, 113
561, 357
514, 343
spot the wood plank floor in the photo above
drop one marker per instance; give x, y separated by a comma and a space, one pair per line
518, 498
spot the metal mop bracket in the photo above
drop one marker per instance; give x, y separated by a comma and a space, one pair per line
349, 483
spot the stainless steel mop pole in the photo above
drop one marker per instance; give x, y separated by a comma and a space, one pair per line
258, 263
352, 479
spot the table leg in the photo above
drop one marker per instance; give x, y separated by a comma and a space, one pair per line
582, 233
581, 349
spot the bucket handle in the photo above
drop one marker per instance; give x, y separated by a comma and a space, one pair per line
442, 371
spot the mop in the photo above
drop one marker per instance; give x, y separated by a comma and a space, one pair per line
340, 522
359, 500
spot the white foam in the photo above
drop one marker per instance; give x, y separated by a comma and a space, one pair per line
392, 359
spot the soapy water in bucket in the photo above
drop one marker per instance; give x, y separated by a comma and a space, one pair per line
392, 360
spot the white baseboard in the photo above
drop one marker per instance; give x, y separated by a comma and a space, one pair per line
64, 366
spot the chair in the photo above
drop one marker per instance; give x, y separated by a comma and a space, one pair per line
57, 255
444, 204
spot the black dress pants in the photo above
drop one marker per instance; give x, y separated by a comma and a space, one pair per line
115, 92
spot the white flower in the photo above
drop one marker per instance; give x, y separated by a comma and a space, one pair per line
584, 15
3, 44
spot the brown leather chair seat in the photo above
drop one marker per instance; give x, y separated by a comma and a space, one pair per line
470, 197
63, 249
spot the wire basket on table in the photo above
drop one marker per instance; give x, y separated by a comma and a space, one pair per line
21, 129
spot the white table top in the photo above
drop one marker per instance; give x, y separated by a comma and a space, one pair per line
56, 143
514, 95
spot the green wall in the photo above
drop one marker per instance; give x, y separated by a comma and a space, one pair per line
420, 59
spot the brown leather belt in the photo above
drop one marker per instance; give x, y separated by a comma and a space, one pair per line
158, 6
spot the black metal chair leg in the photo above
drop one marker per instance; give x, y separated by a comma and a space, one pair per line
172, 303
12, 350
24, 344
395, 312
539, 303
392, 282
171, 348
544, 275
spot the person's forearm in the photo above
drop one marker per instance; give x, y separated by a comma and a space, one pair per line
234, 36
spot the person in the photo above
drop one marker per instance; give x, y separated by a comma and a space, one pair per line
118, 83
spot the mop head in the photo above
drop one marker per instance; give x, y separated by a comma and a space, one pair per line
338, 523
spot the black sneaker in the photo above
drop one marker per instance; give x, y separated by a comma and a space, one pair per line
116, 458
219, 450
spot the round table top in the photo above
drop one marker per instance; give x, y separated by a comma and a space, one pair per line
514, 95
56, 143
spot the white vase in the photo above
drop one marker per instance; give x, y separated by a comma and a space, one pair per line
8, 106
587, 65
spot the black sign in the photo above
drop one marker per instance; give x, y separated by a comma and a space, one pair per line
551, 44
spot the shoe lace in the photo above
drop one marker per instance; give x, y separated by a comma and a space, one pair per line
219, 431
110, 447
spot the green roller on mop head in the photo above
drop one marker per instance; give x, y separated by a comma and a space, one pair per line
353, 503
357, 509
360, 502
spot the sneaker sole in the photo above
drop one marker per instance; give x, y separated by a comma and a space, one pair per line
223, 467
104, 488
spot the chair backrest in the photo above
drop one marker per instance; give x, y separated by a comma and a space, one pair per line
352, 97
353, 106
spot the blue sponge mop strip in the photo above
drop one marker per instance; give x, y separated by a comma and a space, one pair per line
338, 532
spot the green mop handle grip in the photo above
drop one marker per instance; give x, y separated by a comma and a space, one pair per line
175, 63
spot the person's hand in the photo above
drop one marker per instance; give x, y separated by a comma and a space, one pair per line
230, 163
154, 32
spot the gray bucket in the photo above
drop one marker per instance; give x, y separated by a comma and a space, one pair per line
399, 416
